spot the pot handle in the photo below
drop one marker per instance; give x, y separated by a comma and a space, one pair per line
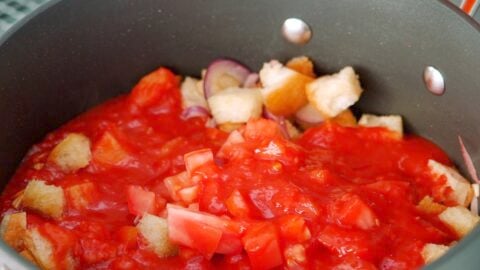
470, 7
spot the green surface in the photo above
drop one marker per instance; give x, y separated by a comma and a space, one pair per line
11, 11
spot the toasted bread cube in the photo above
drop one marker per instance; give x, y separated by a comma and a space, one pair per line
72, 153
13, 228
428, 206
461, 190
155, 230
229, 127
192, 93
28, 256
46, 199
392, 122
333, 94
431, 252
302, 64
283, 88
40, 248
236, 105
459, 219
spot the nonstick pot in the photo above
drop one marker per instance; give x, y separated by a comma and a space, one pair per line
71, 55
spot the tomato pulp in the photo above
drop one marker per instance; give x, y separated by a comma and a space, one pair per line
335, 197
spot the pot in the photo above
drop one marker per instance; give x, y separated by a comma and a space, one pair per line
71, 55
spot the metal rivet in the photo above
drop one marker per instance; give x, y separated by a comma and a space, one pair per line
434, 81
296, 31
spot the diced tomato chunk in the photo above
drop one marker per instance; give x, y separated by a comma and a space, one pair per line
140, 201
236, 205
178, 182
127, 235
197, 159
153, 87
350, 210
233, 147
293, 227
261, 129
351, 241
279, 149
200, 231
108, 150
188, 194
262, 246
80, 196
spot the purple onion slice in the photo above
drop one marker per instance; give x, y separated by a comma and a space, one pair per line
468, 161
224, 73
280, 121
194, 111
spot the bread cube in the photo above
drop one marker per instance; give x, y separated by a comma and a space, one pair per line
459, 219
302, 64
428, 206
236, 105
332, 94
192, 93
283, 88
40, 248
13, 228
431, 252
392, 122
461, 190
72, 153
46, 199
155, 230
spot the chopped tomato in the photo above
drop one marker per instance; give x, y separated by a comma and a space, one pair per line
108, 150
200, 231
153, 87
351, 241
140, 201
394, 189
127, 235
293, 227
80, 196
188, 194
236, 205
261, 129
197, 159
178, 182
262, 246
209, 199
350, 210
280, 149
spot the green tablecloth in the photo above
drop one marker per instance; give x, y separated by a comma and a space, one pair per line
12, 11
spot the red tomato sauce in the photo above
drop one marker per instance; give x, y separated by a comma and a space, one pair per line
335, 197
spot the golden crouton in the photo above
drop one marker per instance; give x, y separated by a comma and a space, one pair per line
283, 88
40, 248
333, 94
428, 206
13, 228
459, 219
391, 122
46, 199
462, 191
303, 65
28, 256
155, 230
72, 153
431, 252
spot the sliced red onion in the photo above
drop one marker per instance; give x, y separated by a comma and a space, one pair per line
251, 80
280, 121
468, 161
194, 111
223, 73
309, 115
